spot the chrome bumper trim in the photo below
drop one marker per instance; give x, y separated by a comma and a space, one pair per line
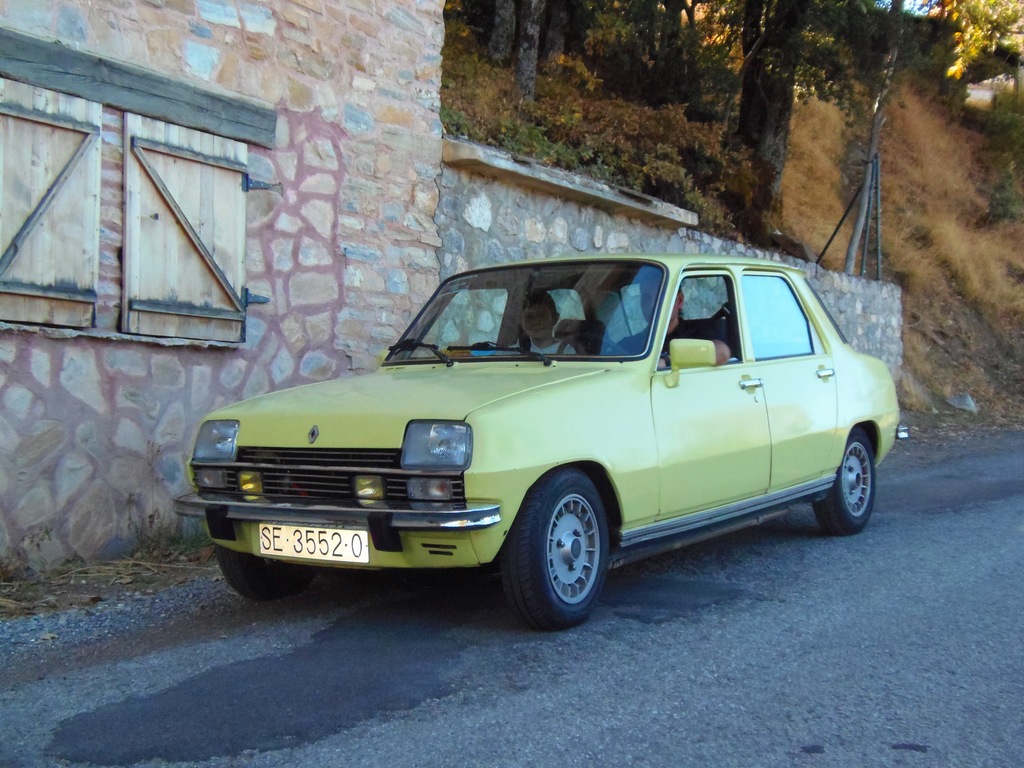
431, 517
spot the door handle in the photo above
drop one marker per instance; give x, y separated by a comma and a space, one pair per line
824, 373
746, 384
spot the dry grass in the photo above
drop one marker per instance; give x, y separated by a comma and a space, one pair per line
24, 593
937, 215
812, 186
963, 278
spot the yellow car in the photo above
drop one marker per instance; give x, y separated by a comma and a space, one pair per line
554, 419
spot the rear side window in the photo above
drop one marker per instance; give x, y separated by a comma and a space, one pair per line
778, 325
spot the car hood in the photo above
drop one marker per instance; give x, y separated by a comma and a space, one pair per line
372, 411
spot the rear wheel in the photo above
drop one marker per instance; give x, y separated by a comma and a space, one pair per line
259, 579
849, 503
554, 563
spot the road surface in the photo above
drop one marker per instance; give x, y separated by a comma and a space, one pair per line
776, 646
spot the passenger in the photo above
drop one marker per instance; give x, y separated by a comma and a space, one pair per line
540, 316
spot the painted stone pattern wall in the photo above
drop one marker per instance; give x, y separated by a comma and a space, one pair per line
486, 220
96, 426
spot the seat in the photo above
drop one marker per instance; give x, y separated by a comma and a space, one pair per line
585, 336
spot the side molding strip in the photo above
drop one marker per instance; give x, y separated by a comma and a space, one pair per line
713, 517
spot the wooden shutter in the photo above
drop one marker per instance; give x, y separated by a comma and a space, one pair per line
49, 205
184, 254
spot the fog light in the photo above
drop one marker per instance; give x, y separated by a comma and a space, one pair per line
430, 488
211, 478
251, 484
368, 487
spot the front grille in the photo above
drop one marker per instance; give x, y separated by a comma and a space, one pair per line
382, 458
323, 475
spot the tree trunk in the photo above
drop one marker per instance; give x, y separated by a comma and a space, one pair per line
690, 9
531, 14
554, 34
668, 74
499, 48
774, 115
771, 48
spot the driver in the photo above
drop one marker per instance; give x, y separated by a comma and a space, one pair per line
722, 351
539, 319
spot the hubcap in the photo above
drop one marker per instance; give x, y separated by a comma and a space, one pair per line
573, 549
856, 479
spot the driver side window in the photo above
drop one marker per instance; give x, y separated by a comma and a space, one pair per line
703, 309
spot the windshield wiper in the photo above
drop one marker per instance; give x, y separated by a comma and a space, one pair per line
494, 347
411, 344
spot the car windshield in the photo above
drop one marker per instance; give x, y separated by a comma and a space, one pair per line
585, 309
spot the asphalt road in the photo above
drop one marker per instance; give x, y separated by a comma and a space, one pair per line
776, 646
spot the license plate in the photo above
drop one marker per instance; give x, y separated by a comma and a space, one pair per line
338, 545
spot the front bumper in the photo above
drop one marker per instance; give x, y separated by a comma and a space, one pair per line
384, 521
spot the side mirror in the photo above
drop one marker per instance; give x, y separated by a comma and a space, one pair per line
691, 353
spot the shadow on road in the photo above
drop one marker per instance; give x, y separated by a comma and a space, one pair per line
381, 659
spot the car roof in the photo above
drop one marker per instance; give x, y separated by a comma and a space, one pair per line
672, 261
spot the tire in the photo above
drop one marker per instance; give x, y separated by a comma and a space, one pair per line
259, 579
554, 563
849, 503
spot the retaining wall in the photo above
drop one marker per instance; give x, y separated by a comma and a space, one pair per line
494, 209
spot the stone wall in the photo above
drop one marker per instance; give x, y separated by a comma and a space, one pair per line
495, 210
96, 426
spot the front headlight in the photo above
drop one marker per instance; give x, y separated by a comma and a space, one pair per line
216, 441
437, 445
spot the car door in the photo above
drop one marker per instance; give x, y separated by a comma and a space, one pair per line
797, 377
711, 427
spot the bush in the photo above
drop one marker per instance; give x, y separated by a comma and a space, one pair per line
574, 125
1005, 201
1004, 127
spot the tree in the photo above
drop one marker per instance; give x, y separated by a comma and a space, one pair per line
978, 27
555, 33
531, 16
662, 51
503, 32
516, 29
772, 50
819, 47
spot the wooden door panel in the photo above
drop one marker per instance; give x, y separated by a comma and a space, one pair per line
185, 232
50, 155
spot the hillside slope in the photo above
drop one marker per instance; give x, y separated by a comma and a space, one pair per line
963, 278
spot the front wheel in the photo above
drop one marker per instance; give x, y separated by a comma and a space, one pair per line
847, 507
554, 563
259, 579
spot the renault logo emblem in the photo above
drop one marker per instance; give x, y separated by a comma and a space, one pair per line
314, 433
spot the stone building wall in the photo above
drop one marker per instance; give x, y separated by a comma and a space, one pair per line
494, 210
95, 425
